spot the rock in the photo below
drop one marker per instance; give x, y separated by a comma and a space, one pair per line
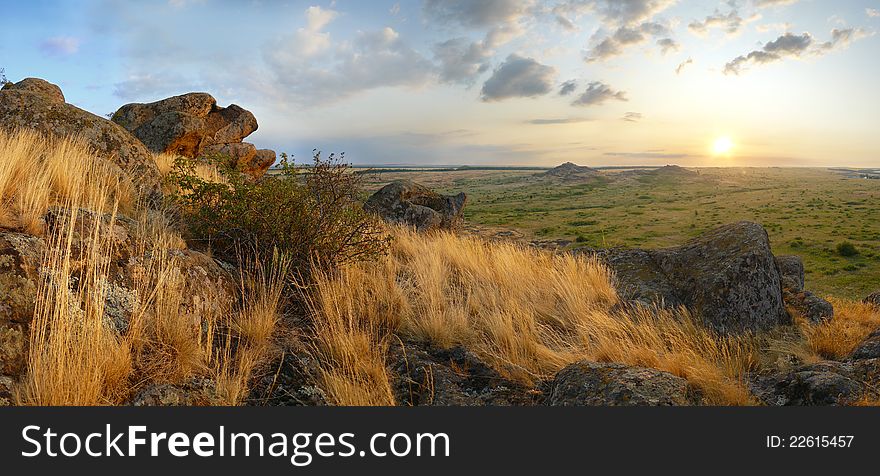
38, 86
192, 125
873, 299
596, 384
291, 379
406, 202
825, 383
727, 276
36, 104
195, 393
791, 270
869, 349
450, 377
208, 287
814, 308
7, 386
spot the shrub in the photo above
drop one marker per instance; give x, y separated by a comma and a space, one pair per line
847, 249
310, 214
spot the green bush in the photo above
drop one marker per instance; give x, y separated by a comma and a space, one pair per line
311, 214
847, 249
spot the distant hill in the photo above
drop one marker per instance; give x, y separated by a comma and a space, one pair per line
673, 170
570, 171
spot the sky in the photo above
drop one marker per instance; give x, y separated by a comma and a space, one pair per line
486, 82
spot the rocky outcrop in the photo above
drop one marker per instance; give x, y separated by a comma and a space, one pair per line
192, 125
408, 203
728, 277
824, 383
812, 307
873, 299
869, 349
450, 377
39, 105
597, 384
207, 285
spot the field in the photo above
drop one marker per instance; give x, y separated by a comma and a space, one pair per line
807, 212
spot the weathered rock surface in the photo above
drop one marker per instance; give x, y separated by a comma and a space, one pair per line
597, 384
194, 393
791, 270
192, 125
814, 308
825, 383
408, 203
873, 299
450, 377
207, 285
869, 349
39, 105
728, 276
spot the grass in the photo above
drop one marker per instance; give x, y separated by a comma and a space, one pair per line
39, 172
807, 212
525, 312
839, 337
77, 356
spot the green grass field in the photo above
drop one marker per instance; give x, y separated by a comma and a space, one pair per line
808, 212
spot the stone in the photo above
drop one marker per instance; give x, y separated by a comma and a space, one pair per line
39, 105
409, 203
600, 384
728, 277
869, 348
194, 393
812, 307
791, 270
822, 384
873, 299
427, 376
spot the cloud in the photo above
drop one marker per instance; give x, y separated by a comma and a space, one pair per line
626, 36
476, 14
568, 87
461, 61
872, 12
395, 9
731, 23
621, 12
518, 77
60, 46
632, 117
566, 120
648, 155
597, 93
787, 45
773, 3
684, 65
668, 45
792, 46
371, 60
152, 85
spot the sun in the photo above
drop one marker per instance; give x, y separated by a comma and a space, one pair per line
722, 146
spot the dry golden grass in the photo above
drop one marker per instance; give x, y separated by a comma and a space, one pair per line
526, 312
38, 172
76, 356
204, 171
852, 323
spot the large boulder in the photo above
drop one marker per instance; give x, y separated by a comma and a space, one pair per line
869, 348
192, 125
812, 307
37, 104
409, 203
596, 384
727, 276
791, 270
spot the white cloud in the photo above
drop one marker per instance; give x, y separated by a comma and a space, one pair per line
597, 93
60, 46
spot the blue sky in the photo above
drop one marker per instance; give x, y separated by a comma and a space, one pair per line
505, 82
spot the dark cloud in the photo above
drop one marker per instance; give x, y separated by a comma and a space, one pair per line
566, 120
626, 36
597, 93
787, 45
518, 77
568, 87
668, 45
